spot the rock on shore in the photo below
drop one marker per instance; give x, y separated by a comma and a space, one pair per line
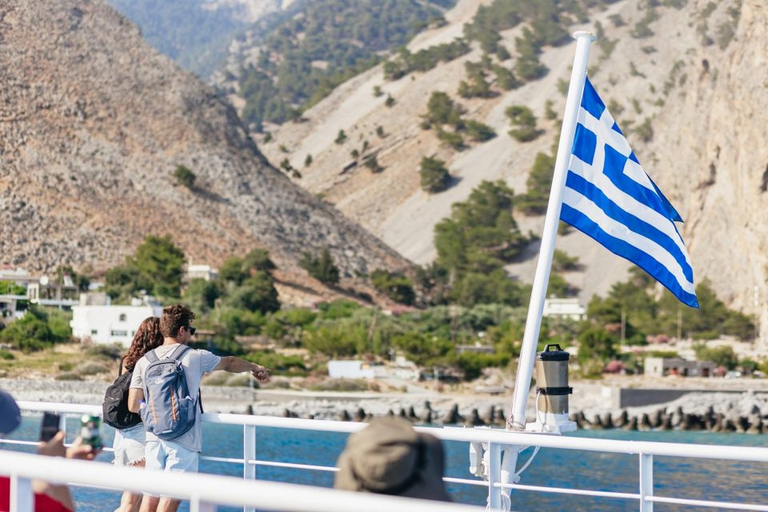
744, 412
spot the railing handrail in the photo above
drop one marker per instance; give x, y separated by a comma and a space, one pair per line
212, 489
484, 435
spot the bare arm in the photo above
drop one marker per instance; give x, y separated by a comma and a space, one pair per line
236, 365
135, 396
55, 448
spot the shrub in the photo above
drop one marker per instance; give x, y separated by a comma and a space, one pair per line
396, 287
453, 139
341, 137
90, 368
184, 177
372, 163
112, 351
522, 117
6, 355
479, 132
434, 176
321, 267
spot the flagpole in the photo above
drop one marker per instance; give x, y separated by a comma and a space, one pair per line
516, 420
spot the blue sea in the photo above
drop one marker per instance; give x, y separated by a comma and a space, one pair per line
678, 477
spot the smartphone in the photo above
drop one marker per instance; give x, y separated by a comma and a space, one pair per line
50, 426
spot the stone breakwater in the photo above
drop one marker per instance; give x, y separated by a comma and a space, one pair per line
717, 412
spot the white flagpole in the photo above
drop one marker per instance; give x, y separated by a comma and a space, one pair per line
541, 279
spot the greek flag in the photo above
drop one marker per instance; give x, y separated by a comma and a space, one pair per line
609, 197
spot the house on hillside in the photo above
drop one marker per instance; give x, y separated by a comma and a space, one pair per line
664, 367
355, 370
564, 308
95, 320
205, 272
19, 287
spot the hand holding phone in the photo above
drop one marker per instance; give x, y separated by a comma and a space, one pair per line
49, 426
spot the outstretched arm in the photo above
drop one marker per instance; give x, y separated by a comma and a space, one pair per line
236, 365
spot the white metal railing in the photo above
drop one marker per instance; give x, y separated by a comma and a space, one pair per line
494, 439
204, 492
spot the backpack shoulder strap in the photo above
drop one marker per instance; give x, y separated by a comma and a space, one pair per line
178, 352
151, 356
120, 369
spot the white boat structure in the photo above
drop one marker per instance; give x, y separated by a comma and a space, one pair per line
493, 453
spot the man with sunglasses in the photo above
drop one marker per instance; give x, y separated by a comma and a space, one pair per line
183, 452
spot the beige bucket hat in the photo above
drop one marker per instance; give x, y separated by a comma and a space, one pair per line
390, 457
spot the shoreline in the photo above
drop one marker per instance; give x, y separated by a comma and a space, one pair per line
590, 401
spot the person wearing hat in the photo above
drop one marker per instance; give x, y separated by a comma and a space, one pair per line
48, 497
390, 457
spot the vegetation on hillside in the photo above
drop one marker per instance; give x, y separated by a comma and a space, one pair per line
303, 59
195, 37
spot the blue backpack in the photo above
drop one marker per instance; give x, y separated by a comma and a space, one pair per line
169, 412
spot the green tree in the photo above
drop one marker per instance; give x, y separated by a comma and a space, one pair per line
156, 266
256, 293
596, 344
522, 117
37, 329
184, 177
539, 183
396, 287
201, 294
321, 267
434, 175
479, 132
721, 356
161, 262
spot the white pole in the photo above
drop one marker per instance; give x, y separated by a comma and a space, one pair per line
541, 279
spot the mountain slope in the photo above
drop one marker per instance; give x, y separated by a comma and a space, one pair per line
688, 82
93, 122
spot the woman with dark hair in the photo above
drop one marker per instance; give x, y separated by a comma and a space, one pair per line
129, 443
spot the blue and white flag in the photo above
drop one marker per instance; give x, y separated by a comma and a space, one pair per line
610, 197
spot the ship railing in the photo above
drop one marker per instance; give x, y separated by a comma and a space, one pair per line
495, 442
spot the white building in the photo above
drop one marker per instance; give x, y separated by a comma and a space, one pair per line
355, 370
564, 308
108, 324
205, 272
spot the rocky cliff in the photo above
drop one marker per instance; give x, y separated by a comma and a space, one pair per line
694, 72
93, 123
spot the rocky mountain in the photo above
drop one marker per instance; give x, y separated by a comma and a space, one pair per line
686, 79
196, 33
93, 124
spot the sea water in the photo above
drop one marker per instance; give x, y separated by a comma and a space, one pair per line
677, 477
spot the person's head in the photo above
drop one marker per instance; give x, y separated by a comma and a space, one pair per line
176, 321
147, 337
390, 457
10, 415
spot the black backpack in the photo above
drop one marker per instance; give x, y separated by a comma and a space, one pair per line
115, 407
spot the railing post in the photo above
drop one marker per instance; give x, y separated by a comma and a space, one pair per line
195, 505
249, 454
646, 482
494, 476
22, 497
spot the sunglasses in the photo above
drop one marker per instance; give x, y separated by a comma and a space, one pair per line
192, 330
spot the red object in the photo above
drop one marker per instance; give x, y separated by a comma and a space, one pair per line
43, 503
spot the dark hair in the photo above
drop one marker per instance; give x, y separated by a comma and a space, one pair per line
148, 337
174, 318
